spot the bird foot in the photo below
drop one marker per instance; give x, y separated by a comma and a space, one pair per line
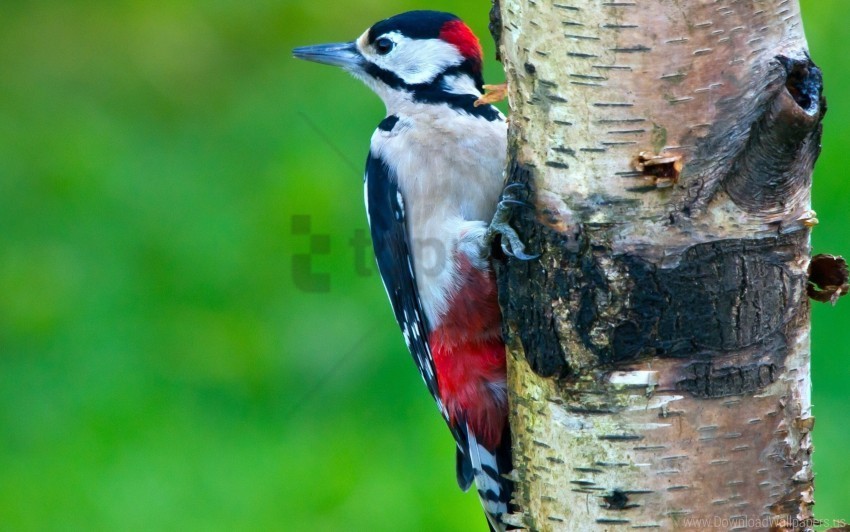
511, 243
493, 94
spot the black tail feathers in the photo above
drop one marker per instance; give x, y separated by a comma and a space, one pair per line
487, 468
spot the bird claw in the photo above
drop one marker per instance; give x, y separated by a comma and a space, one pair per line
516, 248
511, 201
512, 245
511, 186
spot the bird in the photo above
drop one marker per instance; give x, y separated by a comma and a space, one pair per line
436, 201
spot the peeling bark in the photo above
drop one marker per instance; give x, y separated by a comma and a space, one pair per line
659, 348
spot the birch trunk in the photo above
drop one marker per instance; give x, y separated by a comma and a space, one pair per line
659, 348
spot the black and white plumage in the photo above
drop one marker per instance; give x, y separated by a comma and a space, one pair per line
433, 179
388, 227
385, 207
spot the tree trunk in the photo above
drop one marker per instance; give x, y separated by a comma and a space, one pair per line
659, 347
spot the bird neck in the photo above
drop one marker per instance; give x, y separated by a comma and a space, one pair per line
457, 90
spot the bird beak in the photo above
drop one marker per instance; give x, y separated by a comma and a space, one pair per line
343, 55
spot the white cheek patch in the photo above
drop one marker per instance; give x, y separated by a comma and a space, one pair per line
460, 85
415, 61
421, 61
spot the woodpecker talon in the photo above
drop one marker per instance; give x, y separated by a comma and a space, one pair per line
512, 244
511, 201
511, 186
516, 248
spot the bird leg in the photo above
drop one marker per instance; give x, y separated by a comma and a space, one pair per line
512, 244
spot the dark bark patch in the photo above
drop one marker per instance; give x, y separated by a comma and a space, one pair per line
579, 300
723, 296
519, 286
709, 382
828, 278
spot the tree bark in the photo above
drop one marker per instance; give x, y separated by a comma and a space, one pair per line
659, 347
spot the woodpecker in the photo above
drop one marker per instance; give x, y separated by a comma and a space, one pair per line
433, 181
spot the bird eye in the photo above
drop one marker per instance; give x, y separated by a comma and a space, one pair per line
384, 46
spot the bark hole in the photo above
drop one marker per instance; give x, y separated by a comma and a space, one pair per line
828, 278
804, 82
617, 500
661, 171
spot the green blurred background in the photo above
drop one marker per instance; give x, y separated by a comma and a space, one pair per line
159, 366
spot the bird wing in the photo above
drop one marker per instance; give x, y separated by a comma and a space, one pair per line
390, 238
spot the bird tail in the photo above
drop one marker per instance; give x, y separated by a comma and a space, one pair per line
487, 468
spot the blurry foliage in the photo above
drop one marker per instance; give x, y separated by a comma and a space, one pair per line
158, 367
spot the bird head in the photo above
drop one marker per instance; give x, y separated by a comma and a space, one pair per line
418, 54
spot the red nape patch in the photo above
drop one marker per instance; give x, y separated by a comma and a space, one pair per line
457, 33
